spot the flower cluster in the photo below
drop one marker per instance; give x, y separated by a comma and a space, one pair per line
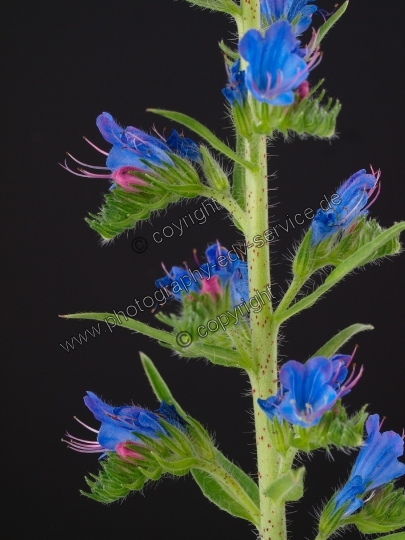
308, 390
132, 150
376, 465
355, 198
223, 268
119, 425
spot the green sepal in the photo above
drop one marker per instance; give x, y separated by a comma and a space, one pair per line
206, 134
330, 519
218, 347
305, 116
178, 468
281, 435
332, 20
115, 480
334, 344
335, 429
288, 487
166, 184
234, 55
213, 172
224, 6
384, 512
301, 266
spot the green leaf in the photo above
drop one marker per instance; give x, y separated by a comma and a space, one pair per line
359, 258
242, 502
324, 29
249, 486
216, 494
289, 487
224, 6
205, 133
395, 536
159, 386
334, 344
130, 324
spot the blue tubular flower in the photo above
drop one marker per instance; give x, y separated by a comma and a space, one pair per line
235, 91
276, 65
130, 148
121, 424
354, 197
292, 10
376, 465
211, 277
131, 145
309, 390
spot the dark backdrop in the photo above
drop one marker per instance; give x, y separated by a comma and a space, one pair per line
66, 63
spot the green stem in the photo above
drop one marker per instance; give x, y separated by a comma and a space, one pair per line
289, 296
264, 342
229, 203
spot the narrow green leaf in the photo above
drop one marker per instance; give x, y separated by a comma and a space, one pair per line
130, 324
224, 6
213, 490
324, 29
205, 133
289, 487
159, 386
334, 344
395, 536
356, 260
245, 481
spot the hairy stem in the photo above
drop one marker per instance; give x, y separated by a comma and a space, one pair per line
264, 340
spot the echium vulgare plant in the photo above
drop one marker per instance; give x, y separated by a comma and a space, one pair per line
226, 311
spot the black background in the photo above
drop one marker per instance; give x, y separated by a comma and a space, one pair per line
66, 63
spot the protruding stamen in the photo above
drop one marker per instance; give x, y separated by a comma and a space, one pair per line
85, 425
86, 164
96, 147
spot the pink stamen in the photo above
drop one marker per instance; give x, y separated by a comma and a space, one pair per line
92, 175
195, 256
350, 381
96, 147
166, 270
85, 425
86, 164
81, 440
375, 197
65, 166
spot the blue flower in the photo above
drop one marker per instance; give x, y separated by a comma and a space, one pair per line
131, 147
235, 91
291, 10
376, 465
308, 390
211, 277
120, 425
354, 201
276, 65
